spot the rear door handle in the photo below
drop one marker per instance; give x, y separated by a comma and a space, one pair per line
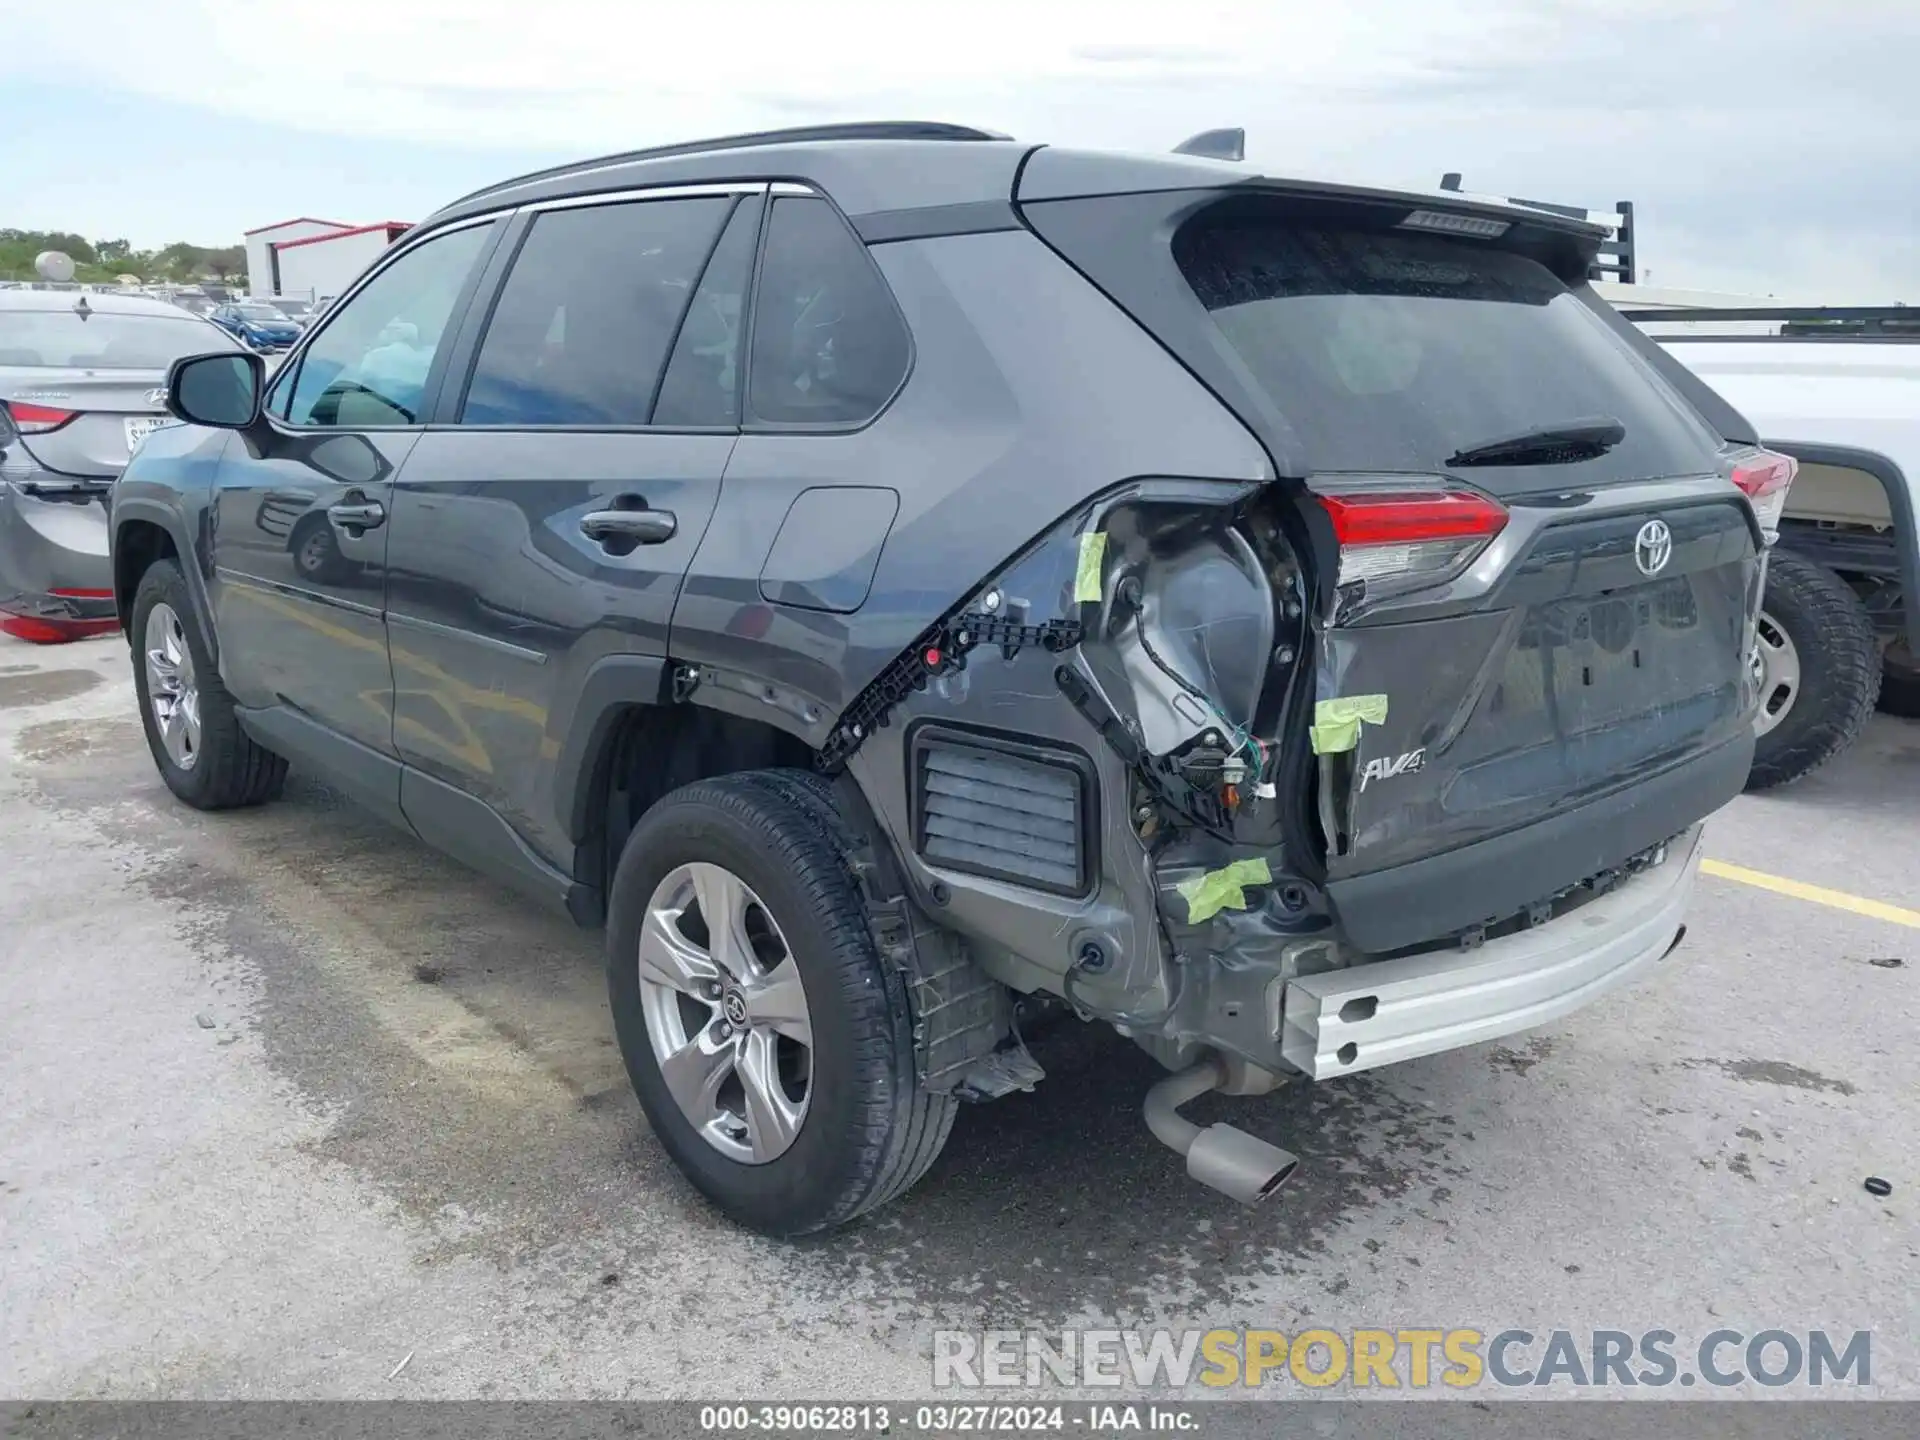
642, 527
357, 514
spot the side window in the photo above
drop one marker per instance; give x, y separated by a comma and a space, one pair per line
589, 310
829, 347
369, 365
702, 384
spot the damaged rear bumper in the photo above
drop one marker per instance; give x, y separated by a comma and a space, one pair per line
1390, 1010
56, 579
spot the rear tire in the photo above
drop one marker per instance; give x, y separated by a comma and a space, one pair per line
223, 767
868, 1132
1813, 625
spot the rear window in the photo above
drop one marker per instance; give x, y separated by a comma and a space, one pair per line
1391, 352
63, 340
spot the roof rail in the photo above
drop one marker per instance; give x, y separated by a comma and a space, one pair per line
795, 135
1617, 260
1798, 322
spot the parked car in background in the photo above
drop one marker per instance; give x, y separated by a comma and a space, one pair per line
1299, 624
301, 312
82, 382
1839, 390
256, 324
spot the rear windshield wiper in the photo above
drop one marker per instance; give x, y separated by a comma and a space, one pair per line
1548, 445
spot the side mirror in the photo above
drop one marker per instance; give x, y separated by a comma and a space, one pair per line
219, 390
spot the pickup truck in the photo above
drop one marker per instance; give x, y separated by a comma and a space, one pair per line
1839, 390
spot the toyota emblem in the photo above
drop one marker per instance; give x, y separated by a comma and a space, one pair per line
1653, 547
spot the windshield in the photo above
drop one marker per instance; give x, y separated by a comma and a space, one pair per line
1392, 352
258, 312
63, 340
293, 307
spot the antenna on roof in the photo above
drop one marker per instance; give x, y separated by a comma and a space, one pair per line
1215, 145
1450, 180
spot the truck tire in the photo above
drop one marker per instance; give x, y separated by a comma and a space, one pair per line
1818, 666
790, 1117
203, 755
1900, 683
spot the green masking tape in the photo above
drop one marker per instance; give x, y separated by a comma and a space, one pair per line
1086, 580
1223, 889
1336, 723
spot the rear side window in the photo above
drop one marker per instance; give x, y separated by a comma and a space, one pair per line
582, 329
66, 340
829, 346
1391, 352
702, 384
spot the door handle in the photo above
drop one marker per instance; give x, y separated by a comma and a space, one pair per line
361, 514
641, 527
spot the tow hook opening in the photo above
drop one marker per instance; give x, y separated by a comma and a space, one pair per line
1225, 1157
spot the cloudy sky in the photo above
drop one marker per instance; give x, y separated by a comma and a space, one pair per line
1771, 146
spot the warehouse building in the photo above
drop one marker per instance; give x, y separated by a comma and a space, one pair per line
314, 259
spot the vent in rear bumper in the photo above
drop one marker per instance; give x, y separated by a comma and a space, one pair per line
984, 805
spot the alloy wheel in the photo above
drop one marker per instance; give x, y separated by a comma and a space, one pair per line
172, 687
726, 1013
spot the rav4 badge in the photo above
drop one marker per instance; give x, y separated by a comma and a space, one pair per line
1387, 767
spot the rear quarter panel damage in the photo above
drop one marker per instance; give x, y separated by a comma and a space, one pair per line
1031, 394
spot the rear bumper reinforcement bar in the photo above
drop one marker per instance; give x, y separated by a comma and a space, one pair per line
1342, 1021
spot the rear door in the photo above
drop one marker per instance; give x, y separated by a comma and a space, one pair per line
548, 520
301, 517
1545, 580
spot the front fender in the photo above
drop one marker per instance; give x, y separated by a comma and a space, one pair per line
168, 485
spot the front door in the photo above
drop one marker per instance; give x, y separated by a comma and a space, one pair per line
301, 518
546, 520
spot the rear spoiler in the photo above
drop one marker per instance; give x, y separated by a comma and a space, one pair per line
1617, 259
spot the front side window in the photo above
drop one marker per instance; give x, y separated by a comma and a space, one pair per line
829, 346
583, 325
369, 366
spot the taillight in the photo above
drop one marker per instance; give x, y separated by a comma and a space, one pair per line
1765, 477
1404, 537
37, 419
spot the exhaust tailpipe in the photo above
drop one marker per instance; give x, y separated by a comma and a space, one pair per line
1233, 1162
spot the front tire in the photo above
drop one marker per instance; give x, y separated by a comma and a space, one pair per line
203, 755
773, 1052
1818, 666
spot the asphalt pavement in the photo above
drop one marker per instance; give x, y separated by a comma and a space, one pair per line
291, 1106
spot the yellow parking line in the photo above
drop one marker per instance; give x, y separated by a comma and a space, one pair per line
1819, 895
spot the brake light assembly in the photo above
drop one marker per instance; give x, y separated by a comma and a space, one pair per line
1764, 477
1403, 539
36, 419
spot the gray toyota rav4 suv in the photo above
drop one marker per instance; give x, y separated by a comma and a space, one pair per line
900, 581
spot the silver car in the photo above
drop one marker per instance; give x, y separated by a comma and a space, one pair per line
82, 383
